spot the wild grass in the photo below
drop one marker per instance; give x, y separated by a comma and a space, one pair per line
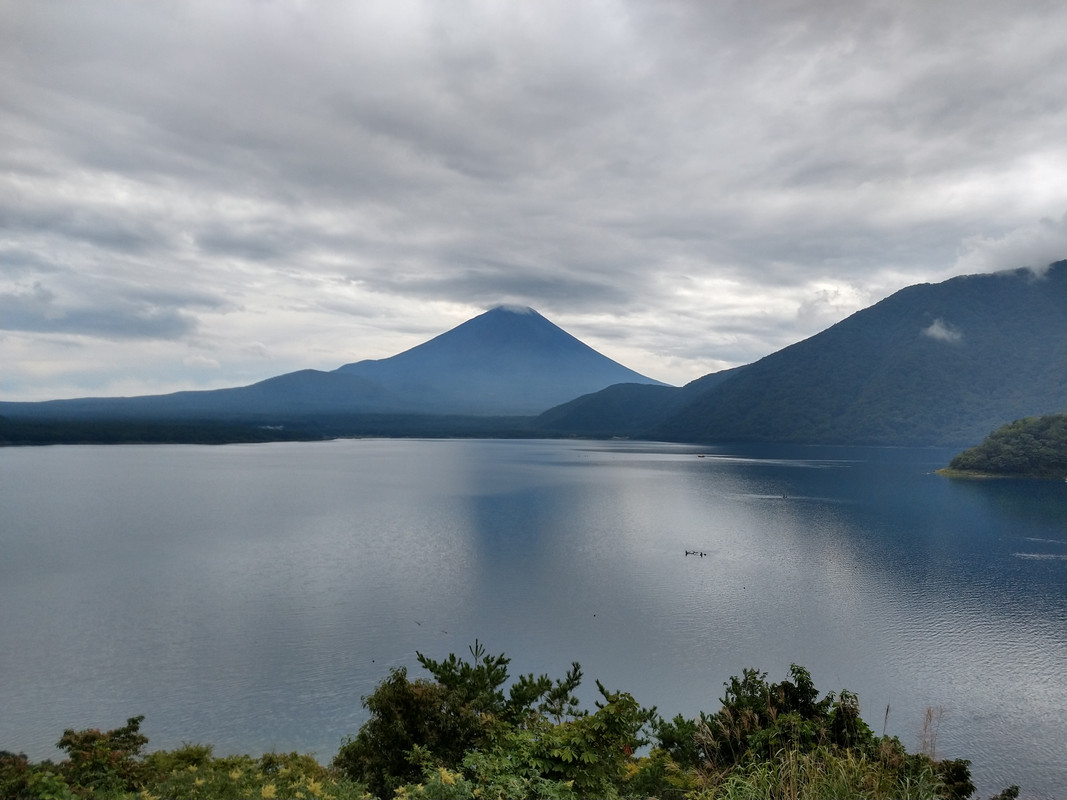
824, 774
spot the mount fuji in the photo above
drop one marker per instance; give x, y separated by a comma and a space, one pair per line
509, 360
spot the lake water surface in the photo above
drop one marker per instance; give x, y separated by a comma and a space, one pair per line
248, 595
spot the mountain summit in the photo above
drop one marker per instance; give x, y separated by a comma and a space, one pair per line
509, 360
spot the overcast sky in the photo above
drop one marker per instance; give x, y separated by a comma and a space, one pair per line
206, 194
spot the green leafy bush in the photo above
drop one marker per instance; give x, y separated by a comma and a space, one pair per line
104, 764
21, 780
462, 709
272, 775
759, 719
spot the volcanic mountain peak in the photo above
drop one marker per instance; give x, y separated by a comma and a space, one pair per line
508, 360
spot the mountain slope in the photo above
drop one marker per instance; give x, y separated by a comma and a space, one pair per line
932, 364
303, 392
625, 409
509, 360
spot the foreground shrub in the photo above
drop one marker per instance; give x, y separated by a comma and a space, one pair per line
187, 773
103, 764
463, 709
272, 775
758, 720
21, 780
460, 735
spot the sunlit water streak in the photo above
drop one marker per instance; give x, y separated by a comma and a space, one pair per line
248, 596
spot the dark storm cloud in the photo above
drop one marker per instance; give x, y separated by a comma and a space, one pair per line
696, 183
487, 284
98, 228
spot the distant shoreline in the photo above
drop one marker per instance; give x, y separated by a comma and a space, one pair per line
977, 475
970, 474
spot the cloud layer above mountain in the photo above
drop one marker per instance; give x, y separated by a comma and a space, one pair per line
201, 194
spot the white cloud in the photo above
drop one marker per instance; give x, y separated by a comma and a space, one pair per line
942, 331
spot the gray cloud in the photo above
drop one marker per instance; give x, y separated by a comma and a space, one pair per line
687, 185
38, 310
1034, 246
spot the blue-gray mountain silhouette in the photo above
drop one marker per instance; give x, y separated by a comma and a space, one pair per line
509, 360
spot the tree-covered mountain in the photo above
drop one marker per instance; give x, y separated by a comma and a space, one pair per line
932, 364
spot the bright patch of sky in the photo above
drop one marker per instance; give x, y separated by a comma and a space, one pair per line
203, 194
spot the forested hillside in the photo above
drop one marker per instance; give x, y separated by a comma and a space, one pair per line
932, 364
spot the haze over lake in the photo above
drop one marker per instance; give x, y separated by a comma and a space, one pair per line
248, 595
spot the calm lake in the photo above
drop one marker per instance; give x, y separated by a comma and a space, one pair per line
248, 595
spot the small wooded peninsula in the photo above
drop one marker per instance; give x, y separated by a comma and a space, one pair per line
458, 735
1034, 447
